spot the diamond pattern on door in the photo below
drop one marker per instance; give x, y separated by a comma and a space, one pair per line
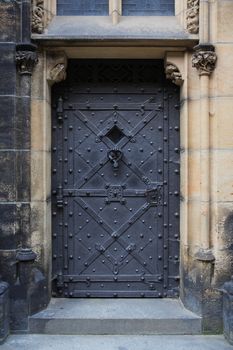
115, 181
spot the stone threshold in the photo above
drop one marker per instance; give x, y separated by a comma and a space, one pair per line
115, 316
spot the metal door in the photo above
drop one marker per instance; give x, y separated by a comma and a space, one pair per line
115, 179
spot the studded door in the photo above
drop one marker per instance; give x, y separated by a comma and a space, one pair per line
115, 180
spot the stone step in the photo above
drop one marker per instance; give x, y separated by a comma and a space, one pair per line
120, 342
115, 316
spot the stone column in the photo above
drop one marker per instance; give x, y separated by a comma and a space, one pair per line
204, 60
115, 10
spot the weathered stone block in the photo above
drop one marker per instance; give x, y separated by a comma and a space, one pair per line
7, 226
7, 117
8, 267
14, 184
14, 225
224, 69
9, 24
40, 125
4, 311
40, 171
7, 183
14, 122
22, 123
7, 69
22, 176
224, 171
224, 123
224, 20
228, 310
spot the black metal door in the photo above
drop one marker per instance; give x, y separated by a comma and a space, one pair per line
115, 178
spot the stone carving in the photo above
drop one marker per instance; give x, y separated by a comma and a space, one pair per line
26, 58
192, 16
58, 73
38, 16
173, 74
56, 67
204, 61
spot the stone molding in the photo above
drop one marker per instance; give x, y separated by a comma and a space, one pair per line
204, 59
192, 16
38, 12
25, 255
56, 67
205, 255
172, 73
26, 58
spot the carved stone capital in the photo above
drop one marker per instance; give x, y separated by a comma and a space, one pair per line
56, 67
38, 12
192, 16
204, 59
26, 58
172, 73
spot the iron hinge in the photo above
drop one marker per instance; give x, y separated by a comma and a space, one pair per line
59, 281
60, 202
60, 109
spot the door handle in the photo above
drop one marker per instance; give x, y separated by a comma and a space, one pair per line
115, 155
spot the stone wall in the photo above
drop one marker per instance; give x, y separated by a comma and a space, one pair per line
18, 266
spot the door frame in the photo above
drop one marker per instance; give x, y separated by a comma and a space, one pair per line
51, 69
